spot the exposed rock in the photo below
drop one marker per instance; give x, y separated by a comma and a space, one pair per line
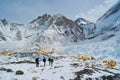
7, 70
58, 66
89, 79
62, 78
85, 71
75, 64
20, 62
18, 35
104, 77
106, 37
82, 21
2, 37
4, 21
80, 74
19, 72
35, 78
16, 24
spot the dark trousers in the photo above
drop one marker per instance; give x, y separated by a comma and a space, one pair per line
51, 63
37, 64
44, 64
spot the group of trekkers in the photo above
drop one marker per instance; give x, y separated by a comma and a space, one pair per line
50, 60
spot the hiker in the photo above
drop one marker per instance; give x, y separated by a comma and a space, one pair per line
50, 61
44, 60
37, 62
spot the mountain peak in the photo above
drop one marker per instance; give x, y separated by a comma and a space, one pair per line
43, 17
4, 21
81, 21
58, 15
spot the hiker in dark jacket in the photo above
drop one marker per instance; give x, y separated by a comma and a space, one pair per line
50, 61
44, 60
37, 62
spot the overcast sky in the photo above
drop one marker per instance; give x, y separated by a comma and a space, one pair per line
23, 11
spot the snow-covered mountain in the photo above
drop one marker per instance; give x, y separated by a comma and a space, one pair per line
88, 27
56, 28
45, 29
81, 21
100, 41
110, 20
48, 30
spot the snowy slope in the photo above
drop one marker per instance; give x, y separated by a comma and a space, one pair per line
96, 48
45, 29
56, 30
110, 20
71, 39
65, 68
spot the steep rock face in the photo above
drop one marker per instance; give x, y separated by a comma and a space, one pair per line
41, 23
88, 27
2, 36
10, 31
81, 21
89, 30
3, 21
2, 24
56, 28
17, 30
44, 30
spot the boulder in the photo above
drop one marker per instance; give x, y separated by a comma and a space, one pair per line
19, 72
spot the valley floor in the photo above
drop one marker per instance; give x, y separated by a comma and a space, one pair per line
65, 68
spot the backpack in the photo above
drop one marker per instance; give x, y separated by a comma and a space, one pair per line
49, 59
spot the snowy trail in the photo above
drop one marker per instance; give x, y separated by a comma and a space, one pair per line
65, 68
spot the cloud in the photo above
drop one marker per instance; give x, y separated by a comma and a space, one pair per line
95, 13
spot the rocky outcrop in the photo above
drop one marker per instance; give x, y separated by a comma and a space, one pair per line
2, 37
88, 27
7, 70
4, 21
56, 28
